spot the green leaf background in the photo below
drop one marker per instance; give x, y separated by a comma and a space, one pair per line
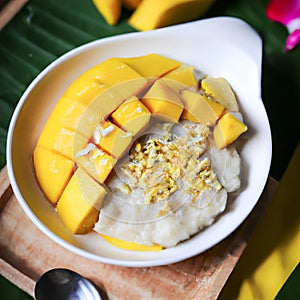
44, 30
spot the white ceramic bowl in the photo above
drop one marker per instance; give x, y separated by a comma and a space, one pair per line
221, 47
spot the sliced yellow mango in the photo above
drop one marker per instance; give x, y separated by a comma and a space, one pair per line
221, 91
151, 65
112, 139
79, 204
228, 129
109, 9
132, 116
84, 89
163, 102
122, 80
114, 71
75, 116
104, 79
151, 14
131, 246
183, 74
95, 162
53, 172
58, 139
200, 109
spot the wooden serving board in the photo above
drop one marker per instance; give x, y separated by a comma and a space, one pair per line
26, 253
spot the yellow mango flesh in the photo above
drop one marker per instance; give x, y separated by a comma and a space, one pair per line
76, 116
151, 14
151, 65
228, 129
183, 75
95, 162
112, 139
114, 71
79, 204
84, 89
53, 172
110, 77
163, 102
61, 140
200, 109
221, 91
109, 9
132, 116
131, 246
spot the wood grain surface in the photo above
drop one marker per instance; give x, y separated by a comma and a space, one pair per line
9, 10
26, 253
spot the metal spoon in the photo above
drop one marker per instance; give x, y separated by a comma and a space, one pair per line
64, 284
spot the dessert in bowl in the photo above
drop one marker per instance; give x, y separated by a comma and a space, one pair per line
44, 96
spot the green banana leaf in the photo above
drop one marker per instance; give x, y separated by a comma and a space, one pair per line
44, 30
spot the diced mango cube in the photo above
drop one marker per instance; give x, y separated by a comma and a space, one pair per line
95, 162
200, 109
61, 140
53, 172
175, 85
79, 204
221, 91
183, 74
228, 129
151, 65
112, 139
132, 115
163, 102
110, 10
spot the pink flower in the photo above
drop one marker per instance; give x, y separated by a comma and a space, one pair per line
286, 12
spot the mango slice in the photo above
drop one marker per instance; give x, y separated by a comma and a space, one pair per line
200, 109
114, 71
79, 204
132, 116
228, 129
109, 76
151, 14
151, 65
84, 89
61, 140
95, 162
110, 10
112, 139
75, 116
53, 172
221, 91
183, 74
163, 102
131, 246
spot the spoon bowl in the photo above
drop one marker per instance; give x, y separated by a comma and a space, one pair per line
64, 284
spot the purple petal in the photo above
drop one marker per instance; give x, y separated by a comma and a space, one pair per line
293, 40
